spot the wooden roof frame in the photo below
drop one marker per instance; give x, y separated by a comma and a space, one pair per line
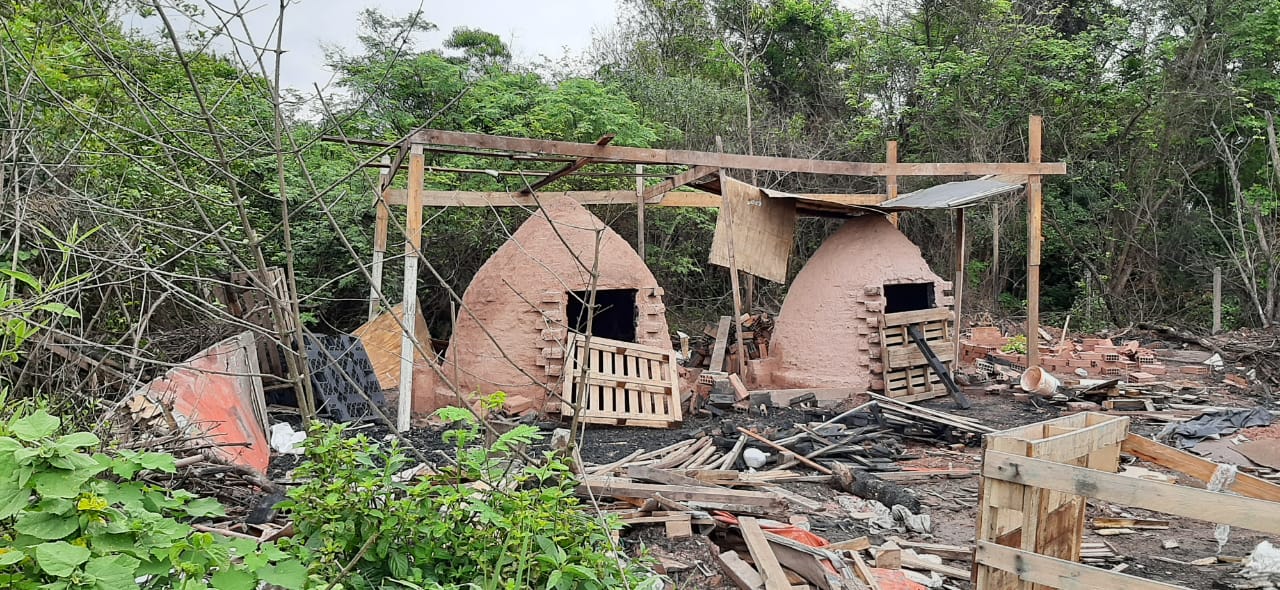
573, 156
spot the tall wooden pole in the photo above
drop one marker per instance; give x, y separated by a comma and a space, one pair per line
726, 209
995, 255
1035, 217
640, 211
381, 216
957, 281
1217, 299
891, 180
412, 244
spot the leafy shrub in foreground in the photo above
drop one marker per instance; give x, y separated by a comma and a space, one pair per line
70, 520
486, 522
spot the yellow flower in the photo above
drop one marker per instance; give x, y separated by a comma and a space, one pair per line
91, 503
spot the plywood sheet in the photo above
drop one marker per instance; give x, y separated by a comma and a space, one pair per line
381, 339
763, 231
217, 395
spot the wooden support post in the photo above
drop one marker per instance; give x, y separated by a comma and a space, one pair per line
996, 287
957, 285
891, 179
381, 215
412, 244
1217, 299
640, 210
726, 209
1035, 218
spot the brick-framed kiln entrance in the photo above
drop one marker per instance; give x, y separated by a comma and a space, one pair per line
615, 316
908, 297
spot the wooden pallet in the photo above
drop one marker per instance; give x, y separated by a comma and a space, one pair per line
246, 301
1037, 479
625, 383
907, 375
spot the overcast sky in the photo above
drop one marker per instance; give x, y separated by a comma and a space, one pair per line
532, 28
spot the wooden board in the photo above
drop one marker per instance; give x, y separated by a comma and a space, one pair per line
721, 343
624, 383
762, 554
381, 339
633, 155
1058, 573
763, 232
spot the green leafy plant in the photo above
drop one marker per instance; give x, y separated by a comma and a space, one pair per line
1015, 345
71, 520
488, 521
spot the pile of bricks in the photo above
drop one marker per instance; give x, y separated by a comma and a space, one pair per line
1097, 357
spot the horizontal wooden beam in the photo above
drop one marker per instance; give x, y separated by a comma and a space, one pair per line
1201, 469
677, 181
1223, 508
396, 196
633, 155
1052, 572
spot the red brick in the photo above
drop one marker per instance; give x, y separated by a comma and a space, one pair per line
1141, 377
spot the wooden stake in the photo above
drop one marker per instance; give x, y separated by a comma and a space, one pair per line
957, 283
995, 254
891, 179
413, 243
381, 215
1035, 219
1217, 299
640, 210
726, 209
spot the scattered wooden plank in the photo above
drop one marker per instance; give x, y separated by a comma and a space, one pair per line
762, 554
1059, 573
1201, 469
912, 562
1130, 523
858, 544
864, 571
782, 449
621, 488
958, 552
664, 476
721, 343
889, 556
742, 574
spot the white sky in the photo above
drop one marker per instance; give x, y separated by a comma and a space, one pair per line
533, 29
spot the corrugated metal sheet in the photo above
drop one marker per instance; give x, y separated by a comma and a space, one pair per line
952, 195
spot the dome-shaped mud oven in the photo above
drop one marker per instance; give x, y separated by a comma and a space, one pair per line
528, 302
844, 322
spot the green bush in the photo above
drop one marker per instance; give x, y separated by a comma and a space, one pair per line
486, 522
70, 520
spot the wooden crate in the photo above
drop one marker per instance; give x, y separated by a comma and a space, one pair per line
907, 375
625, 383
1036, 480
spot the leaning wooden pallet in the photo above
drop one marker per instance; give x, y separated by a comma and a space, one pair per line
623, 383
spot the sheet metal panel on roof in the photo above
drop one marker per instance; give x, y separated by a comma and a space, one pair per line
952, 195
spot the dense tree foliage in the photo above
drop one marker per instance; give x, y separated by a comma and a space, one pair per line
1163, 109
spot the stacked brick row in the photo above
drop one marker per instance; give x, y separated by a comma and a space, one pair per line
1097, 357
